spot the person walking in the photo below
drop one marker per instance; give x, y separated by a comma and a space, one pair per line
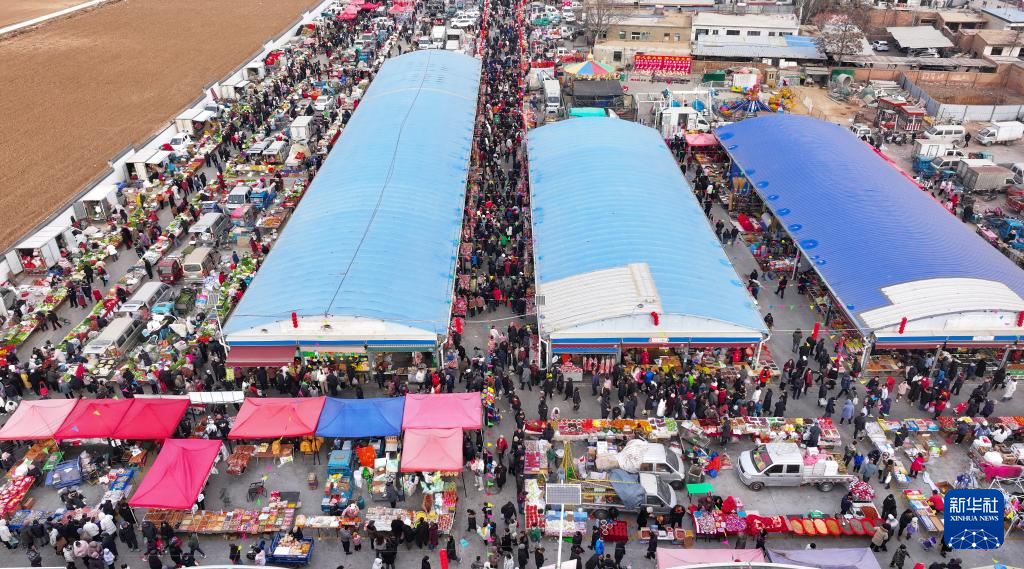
345, 537
781, 289
797, 340
652, 546
899, 557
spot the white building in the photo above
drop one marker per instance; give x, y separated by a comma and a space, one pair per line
744, 25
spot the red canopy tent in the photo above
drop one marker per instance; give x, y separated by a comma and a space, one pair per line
151, 419
701, 139
432, 450
443, 411
276, 417
36, 420
94, 419
178, 475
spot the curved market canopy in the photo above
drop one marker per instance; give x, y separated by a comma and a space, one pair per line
361, 418
886, 249
36, 420
277, 417
432, 450
368, 257
443, 411
618, 234
94, 419
177, 476
151, 419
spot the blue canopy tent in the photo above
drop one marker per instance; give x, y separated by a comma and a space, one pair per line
360, 418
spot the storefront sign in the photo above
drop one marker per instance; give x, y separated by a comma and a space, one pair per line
662, 63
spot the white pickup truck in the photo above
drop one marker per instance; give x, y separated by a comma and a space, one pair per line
784, 464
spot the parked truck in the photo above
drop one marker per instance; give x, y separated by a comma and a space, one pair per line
787, 464
944, 164
927, 149
680, 120
627, 493
1002, 132
986, 178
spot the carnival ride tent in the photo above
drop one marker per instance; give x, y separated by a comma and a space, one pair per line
443, 411
383, 279
826, 558
674, 558
432, 450
94, 419
277, 417
36, 420
651, 272
177, 476
151, 419
819, 181
361, 418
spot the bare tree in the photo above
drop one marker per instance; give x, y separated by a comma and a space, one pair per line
599, 15
840, 36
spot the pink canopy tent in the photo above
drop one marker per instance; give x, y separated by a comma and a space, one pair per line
151, 419
400, 9
432, 450
345, 16
273, 418
36, 420
701, 139
369, 6
94, 419
669, 558
178, 475
443, 411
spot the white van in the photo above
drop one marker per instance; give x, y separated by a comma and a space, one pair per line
552, 96
240, 195
949, 133
148, 295
454, 35
664, 463
198, 264
210, 229
116, 339
437, 37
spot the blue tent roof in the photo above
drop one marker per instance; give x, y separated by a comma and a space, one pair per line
376, 235
618, 234
867, 227
361, 418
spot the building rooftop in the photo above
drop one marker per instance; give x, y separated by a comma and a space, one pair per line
1001, 37
795, 47
667, 20
960, 16
783, 21
916, 37
1011, 15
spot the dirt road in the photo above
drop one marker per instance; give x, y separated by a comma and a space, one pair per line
14, 11
75, 92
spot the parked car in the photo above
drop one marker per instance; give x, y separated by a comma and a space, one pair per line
463, 22
880, 45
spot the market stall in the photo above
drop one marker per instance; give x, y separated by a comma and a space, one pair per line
94, 419
178, 475
361, 418
35, 420
443, 411
432, 450
274, 418
151, 419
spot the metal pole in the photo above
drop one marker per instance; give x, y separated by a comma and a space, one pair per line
757, 355
561, 528
796, 265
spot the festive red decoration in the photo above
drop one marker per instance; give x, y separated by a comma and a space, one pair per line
817, 328
1020, 318
903, 324
655, 318
295, 320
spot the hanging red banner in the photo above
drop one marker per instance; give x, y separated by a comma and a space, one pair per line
643, 62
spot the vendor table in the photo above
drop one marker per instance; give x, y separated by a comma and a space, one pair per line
714, 525
65, 474
699, 490
136, 460
326, 526
267, 451
12, 493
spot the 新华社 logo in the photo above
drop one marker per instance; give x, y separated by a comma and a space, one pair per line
973, 519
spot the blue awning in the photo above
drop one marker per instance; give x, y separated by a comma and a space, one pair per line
885, 248
361, 418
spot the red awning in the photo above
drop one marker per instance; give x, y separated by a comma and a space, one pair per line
36, 420
260, 356
702, 139
94, 419
277, 417
177, 476
432, 450
151, 419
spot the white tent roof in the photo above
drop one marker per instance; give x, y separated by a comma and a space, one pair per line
917, 37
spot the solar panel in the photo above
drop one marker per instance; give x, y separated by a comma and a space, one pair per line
563, 494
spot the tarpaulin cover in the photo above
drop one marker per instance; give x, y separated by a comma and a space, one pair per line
431, 450
177, 476
35, 420
151, 419
838, 558
260, 356
669, 558
276, 417
94, 419
443, 411
359, 418
628, 487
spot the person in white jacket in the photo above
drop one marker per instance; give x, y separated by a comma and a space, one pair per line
107, 524
5, 535
90, 530
1009, 390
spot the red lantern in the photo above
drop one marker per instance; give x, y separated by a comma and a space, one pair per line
817, 328
655, 318
903, 324
1020, 318
295, 320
